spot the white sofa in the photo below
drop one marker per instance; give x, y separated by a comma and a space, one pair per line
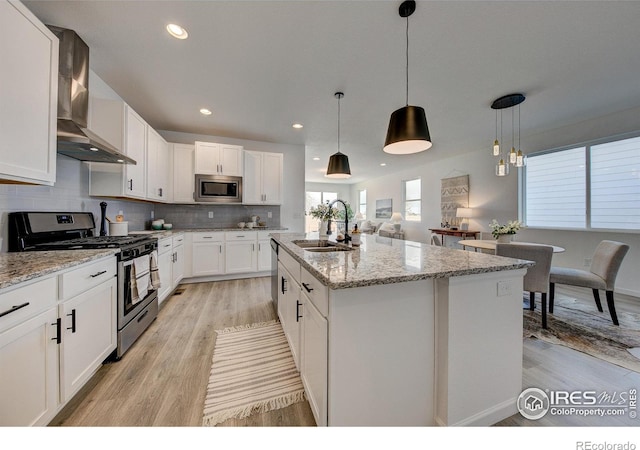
385, 229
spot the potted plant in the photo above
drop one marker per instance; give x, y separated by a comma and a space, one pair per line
504, 233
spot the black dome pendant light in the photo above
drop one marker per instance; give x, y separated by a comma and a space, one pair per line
338, 162
408, 131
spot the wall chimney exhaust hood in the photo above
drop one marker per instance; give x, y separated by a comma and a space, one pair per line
74, 139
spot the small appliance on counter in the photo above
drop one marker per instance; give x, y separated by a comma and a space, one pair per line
118, 228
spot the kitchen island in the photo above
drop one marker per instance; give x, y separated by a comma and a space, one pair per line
401, 333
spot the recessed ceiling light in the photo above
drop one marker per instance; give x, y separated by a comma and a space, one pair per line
205, 112
297, 125
177, 31
316, 159
383, 164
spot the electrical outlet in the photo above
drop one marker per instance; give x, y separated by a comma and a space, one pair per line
152, 214
504, 288
269, 215
210, 214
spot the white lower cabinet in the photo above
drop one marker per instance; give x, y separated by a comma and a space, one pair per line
88, 324
170, 264
55, 332
29, 377
165, 263
178, 257
264, 255
290, 311
241, 252
314, 360
207, 253
303, 310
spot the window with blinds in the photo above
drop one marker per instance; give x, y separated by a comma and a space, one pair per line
615, 185
595, 186
412, 200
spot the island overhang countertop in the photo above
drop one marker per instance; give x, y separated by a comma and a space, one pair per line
381, 260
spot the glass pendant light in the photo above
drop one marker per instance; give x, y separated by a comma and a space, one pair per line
514, 157
408, 131
338, 162
502, 169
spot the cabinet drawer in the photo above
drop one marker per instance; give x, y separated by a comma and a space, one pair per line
317, 292
178, 240
164, 245
26, 301
85, 277
241, 235
290, 264
213, 236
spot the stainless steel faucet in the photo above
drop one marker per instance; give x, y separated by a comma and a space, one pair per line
347, 237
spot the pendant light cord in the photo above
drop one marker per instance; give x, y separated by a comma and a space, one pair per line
407, 54
339, 123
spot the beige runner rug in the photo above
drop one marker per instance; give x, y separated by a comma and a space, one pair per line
252, 372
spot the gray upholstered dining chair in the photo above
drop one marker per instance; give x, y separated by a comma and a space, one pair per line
602, 274
435, 240
537, 277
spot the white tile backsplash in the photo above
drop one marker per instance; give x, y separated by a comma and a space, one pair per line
69, 194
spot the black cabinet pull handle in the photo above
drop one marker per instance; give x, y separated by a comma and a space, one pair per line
298, 316
13, 309
98, 274
73, 321
283, 283
306, 286
58, 325
131, 184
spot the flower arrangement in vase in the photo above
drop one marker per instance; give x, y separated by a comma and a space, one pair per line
504, 233
323, 213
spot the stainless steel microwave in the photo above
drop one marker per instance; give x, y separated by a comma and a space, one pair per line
218, 189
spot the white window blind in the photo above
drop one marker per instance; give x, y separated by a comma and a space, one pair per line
555, 187
615, 185
412, 200
362, 202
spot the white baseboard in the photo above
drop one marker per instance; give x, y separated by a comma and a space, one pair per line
233, 276
487, 417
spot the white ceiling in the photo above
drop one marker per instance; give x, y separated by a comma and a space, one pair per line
261, 66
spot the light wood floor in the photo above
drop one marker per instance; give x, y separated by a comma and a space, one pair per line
162, 379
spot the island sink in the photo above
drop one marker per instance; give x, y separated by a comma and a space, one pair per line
320, 245
327, 249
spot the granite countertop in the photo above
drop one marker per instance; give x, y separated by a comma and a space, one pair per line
18, 267
380, 260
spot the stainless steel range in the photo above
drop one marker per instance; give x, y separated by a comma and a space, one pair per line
137, 307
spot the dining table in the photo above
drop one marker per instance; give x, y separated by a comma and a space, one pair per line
490, 244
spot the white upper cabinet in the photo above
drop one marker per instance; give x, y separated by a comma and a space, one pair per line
135, 148
183, 174
262, 180
218, 159
159, 179
122, 127
29, 97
